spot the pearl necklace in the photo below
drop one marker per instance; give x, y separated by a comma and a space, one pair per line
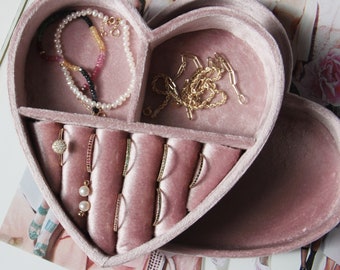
67, 67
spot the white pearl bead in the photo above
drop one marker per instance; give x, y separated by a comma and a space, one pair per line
84, 191
84, 206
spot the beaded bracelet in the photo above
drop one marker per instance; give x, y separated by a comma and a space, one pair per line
41, 32
55, 58
66, 67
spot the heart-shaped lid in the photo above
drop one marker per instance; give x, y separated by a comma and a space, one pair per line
189, 106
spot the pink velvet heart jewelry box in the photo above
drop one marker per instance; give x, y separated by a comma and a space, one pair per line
182, 110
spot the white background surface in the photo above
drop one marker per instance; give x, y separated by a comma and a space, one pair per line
13, 164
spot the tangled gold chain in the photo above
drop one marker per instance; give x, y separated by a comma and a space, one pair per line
200, 90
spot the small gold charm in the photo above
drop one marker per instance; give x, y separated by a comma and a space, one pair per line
110, 26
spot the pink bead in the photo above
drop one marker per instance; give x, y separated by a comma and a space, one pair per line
99, 65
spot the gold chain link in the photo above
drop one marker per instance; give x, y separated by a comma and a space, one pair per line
200, 90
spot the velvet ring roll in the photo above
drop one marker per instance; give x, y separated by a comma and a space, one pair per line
181, 160
44, 133
139, 191
74, 170
106, 184
217, 161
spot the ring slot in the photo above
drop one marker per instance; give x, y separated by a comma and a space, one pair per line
182, 157
43, 134
74, 170
218, 160
136, 217
106, 183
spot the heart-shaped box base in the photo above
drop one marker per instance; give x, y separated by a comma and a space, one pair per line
288, 198
221, 142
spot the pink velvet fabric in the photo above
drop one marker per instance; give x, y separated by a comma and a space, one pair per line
80, 48
289, 197
38, 92
252, 8
43, 134
106, 184
218, 160
165, 58
180, 166
233, 140
138, 203
232, 117
137, 211
74, 171
292, 178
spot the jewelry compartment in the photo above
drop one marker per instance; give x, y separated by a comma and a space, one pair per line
136, 186
251, 8
216, 72
80, 59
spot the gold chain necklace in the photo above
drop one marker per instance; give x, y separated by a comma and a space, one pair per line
200, 90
